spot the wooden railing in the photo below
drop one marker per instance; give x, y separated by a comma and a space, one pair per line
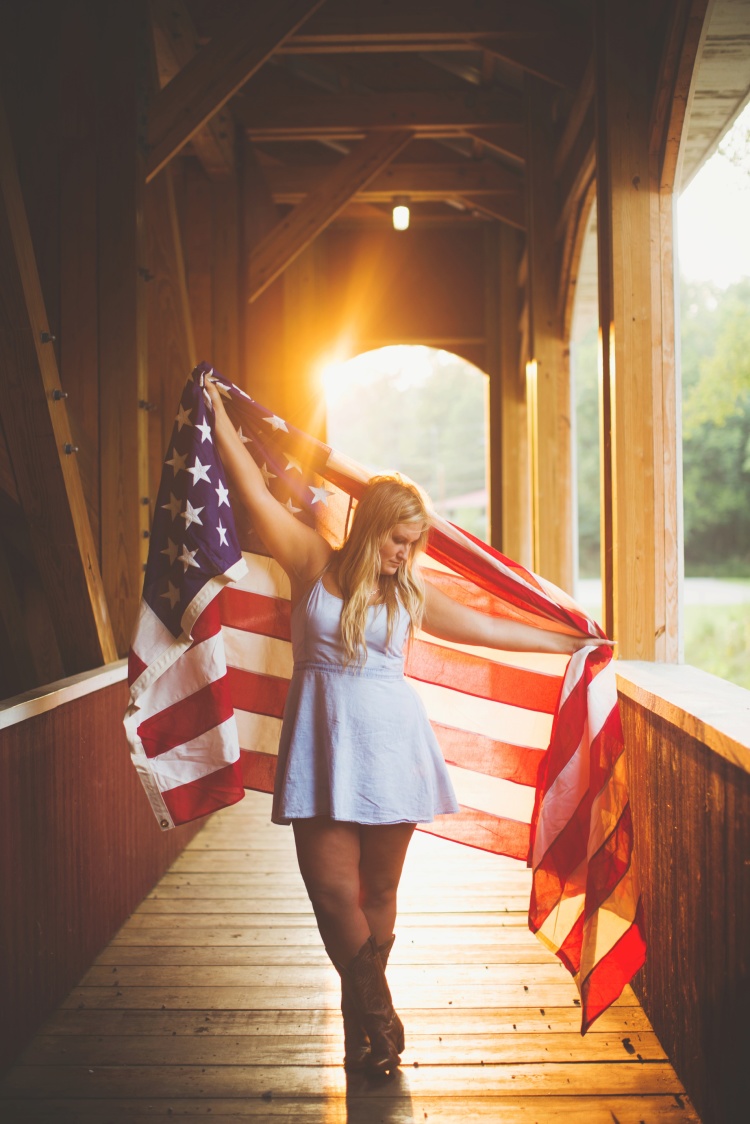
79, 845
687, 736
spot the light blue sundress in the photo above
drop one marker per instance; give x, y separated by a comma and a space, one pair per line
356, 742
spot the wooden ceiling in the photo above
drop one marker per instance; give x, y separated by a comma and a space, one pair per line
319, 78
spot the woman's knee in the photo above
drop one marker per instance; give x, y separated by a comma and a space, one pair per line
378, 896
332, 899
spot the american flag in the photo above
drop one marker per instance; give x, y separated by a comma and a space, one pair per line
533, 742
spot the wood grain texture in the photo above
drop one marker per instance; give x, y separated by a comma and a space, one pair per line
244, 1022
79, 848
691, 811
552, 497
298, 229
37, 430
203, 86
123, 372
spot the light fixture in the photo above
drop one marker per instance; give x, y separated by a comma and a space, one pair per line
400, 212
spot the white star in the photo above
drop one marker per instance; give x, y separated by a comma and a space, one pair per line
188, 558
222, 493
171, 551
183, 418
290, 506
267, 474
173, 506
222, 389
243, 438
199, 472
320, 495
292, 462
205, 429
222, 535
191, 514
276, 423
172, 594
177, 462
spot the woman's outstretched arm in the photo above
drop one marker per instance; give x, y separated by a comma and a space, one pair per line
299, 550
449, 620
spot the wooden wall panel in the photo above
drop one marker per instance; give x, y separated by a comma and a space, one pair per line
691, 810
123, 382
79, 849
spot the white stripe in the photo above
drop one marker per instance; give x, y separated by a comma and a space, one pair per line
512, 724
571, 784
198, 757
562, 799
250, 651
258, 732
608, 806
572, 675
541, 663
493, 795
150, 636
264, 576
609, 923
557, 926
200, 666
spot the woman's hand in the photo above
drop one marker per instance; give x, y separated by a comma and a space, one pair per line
567, 645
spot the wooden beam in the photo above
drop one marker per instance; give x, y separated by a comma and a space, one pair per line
290, 237
550, 405
537, 36
175, 44
346, 115
292, 183
122, 269
37, 433
210, 79
576, 116
627, 330
506, 209
508, 139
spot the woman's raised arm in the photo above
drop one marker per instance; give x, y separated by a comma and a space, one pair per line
299, 550
449, 620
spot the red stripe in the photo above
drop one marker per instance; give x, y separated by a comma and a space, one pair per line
260, 694
568, 850
258, 770
483, 678
208, 623
482, 830
606, 980
208, 794
187, 718
136, 667
253, 612
481, 754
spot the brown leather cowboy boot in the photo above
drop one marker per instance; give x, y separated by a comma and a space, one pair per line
356, 1041
364, 980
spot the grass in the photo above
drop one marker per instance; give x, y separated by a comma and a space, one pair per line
717, 639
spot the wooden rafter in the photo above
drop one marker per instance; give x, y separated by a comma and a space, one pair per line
216, 72
37, 431
576, 116
506, 209
536, 35
425, 113
298, 229
508, 140
426, 181
175, 45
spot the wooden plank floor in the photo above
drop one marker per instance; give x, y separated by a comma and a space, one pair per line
216, 999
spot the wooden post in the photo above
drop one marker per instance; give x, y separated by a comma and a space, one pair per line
628, 332
125, 495
552, 470
303, 391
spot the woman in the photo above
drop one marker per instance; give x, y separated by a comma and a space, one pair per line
359, 765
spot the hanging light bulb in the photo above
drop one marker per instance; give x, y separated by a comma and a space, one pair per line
400, 213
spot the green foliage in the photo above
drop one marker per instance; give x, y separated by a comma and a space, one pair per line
717, 639
586, 382
716, 427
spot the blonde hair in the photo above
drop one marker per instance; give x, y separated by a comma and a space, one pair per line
386, 501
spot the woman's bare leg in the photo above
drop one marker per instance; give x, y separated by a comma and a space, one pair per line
328, 852
382, 852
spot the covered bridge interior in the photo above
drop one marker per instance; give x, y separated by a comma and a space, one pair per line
188, 180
